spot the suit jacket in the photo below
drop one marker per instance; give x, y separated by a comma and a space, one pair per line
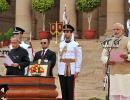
50, 56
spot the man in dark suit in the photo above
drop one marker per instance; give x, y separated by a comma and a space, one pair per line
46, 55
19, 57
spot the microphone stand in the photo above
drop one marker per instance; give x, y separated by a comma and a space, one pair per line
107, 72
109, 46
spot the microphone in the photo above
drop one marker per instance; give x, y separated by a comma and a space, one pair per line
111, 42
116, 41
39, 61
106, 42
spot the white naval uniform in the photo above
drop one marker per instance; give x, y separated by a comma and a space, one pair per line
73, 52
29, 49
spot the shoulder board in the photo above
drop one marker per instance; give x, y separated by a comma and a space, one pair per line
77, 43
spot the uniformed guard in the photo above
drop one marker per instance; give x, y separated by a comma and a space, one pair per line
19, 57
69, 62
18, 33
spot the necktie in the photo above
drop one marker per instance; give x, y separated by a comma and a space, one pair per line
42, 53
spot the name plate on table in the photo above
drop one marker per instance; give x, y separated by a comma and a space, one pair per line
37, 70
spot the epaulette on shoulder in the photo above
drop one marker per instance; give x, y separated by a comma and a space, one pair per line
77, 43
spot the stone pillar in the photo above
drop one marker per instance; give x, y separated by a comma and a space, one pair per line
115, 12
71, 11
23, 15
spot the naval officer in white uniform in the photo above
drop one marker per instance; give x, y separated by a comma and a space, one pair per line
69, 63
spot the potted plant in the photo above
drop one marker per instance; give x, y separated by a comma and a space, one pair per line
88, 6
7, 36
42, 6
94, 98
4, 6
1, 40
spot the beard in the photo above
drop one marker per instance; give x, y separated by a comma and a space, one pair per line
117, 35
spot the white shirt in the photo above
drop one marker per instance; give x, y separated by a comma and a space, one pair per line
73, 52
45, 51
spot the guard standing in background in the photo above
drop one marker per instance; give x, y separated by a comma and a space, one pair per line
69, 63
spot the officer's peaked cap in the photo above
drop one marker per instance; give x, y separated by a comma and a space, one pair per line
68, 27
18, 30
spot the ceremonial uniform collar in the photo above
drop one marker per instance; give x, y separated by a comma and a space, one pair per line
67, 41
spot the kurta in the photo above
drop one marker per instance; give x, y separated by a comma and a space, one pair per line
120, 71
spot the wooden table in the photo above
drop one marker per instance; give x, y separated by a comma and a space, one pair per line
29, 87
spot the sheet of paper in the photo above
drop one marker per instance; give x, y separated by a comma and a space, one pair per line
7, 60
115, 56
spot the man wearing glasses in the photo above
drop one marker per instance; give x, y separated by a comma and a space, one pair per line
119, 65
19, 57
46, 55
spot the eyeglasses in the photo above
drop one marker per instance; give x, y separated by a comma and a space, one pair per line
43, 42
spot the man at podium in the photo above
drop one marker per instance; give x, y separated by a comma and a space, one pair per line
119, 65
17, 59
18, 33
46, 55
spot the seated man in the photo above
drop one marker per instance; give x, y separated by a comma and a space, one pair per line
20, 59
46, 55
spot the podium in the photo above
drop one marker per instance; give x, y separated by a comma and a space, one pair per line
29, 87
